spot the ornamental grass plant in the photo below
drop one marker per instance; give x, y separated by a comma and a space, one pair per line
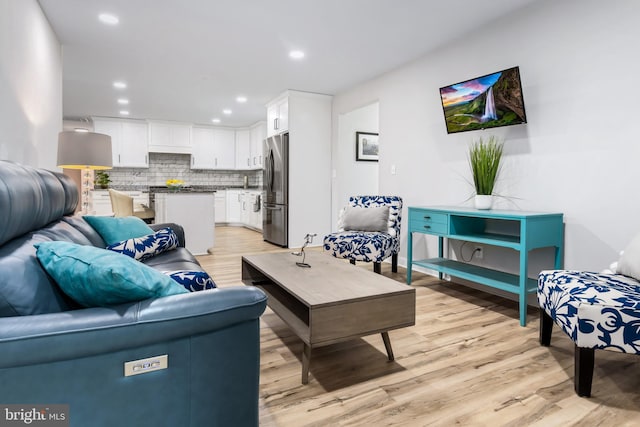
484, 158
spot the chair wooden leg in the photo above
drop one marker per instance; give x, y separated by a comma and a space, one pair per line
583, 370
394, 263
546, 326
377, 267
352, 261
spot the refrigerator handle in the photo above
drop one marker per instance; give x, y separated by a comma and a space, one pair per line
271, 167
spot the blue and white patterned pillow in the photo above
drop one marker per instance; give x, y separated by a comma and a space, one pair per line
144, 247
192, 280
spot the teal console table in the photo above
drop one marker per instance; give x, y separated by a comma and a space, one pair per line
518, 230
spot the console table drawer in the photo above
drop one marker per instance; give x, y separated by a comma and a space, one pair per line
429, 217
428, 227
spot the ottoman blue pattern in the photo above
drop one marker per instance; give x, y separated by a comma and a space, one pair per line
369, 246
597, 311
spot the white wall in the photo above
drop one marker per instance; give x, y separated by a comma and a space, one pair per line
354, 178
309, 166
30, 85
579, 152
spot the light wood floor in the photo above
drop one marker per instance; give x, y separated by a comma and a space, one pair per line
466, 362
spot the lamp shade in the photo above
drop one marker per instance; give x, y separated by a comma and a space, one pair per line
84, 150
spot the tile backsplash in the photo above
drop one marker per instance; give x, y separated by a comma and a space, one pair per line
163, 166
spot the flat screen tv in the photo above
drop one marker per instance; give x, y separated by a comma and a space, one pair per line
484, 102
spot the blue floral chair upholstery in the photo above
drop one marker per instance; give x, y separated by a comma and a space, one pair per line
597, 311
368, 246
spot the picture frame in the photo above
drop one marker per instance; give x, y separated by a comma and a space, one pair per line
366, 147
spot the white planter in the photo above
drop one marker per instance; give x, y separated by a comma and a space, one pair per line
483, 201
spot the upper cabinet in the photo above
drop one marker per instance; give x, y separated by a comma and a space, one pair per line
129, 141
169, 137
213, 148
249, 146
202, 153
243, 149
224, 148
258, 134
278, 116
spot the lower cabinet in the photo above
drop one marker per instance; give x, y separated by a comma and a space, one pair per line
244, 207
221, 206
234, 206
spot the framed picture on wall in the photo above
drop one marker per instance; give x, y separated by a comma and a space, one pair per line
366, 147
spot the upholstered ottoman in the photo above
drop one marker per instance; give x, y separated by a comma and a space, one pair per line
597, 311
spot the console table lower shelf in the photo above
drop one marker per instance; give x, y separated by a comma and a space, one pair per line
485, 276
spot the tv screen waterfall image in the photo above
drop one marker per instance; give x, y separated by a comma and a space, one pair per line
484, 102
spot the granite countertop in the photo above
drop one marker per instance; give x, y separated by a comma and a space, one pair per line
186, 189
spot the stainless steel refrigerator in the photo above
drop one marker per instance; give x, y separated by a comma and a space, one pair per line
275, 181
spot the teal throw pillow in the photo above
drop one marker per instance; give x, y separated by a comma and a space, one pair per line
96, 277
116, 229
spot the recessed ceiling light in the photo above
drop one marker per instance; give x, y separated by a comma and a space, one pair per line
81, 130
241, 99
120, 85
226, 111
124, 112
216, 120
108, 18
123, 101
296, 54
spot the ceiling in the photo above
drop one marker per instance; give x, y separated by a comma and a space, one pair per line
187, 60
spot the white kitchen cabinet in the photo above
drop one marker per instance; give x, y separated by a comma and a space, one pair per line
243, 149
213, 148
221, 206
202, 149
195, 212
224, 148
258, 134
245, 207
129, 141
254, 205
169, 137
278, 116
234, 206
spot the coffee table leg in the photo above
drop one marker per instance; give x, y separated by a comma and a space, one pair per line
387, 345
306, 357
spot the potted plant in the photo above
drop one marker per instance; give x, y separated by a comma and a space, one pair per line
484, 159
102, 179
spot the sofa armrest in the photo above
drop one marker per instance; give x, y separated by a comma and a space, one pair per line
176, 229
28, 340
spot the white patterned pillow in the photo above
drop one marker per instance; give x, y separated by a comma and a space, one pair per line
192, 280
144, 247
629, 262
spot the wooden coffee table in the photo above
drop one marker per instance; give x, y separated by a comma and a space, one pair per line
330, 302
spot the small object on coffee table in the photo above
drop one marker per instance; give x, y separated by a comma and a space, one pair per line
307, 239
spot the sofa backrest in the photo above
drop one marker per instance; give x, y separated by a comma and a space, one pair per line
35, 206
32, 198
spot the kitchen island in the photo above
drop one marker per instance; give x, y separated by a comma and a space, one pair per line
195, 212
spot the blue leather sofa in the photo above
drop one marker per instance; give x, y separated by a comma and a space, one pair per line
53, 352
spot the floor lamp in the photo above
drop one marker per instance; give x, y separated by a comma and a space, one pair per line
87, 151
